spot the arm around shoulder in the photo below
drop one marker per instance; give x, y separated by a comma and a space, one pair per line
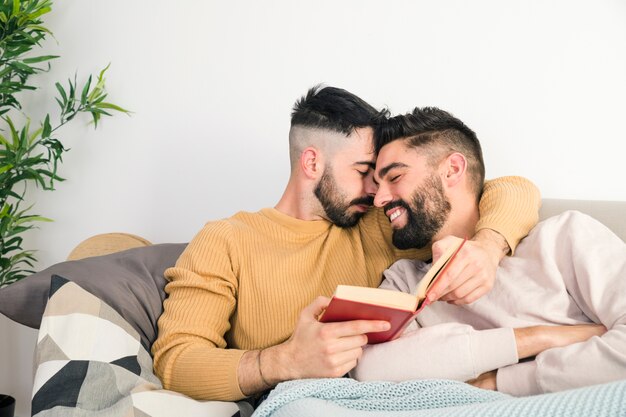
509, 206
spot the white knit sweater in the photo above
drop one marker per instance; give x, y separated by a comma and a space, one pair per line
569, 270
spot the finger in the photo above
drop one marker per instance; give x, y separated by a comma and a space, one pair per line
440, 287
345, 344
461, 286
441, 245
472, 296
316, 307
470, 272
458, 273
345, 361
356, 327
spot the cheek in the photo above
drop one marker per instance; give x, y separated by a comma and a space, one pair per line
402, 191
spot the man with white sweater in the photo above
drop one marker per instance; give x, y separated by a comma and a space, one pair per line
566, 276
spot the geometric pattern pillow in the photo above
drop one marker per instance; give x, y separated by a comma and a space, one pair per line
131, 281
90, 361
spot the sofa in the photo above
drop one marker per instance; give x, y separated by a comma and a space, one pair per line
110, 295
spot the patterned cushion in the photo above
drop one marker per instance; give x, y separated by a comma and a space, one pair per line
130, 281
90, 361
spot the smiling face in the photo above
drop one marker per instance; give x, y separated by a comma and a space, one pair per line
345, 189
411, 192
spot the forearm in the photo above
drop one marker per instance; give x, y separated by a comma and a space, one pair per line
190, 354
260, 370
509, 206
249, 373
450, 351
567, 357
494, 242
596, 361
201, 372
531, 341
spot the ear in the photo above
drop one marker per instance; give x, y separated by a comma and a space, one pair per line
311, 162
453, 169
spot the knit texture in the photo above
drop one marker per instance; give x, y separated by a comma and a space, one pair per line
521, 211
242, 282
433, 398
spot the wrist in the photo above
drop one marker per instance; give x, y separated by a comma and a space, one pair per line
275, 368
495, 244
531, 340
264, 380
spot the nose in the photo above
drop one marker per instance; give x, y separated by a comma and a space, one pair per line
382, 197
369, 184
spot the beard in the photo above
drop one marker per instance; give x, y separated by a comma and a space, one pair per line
425, 216
334, 203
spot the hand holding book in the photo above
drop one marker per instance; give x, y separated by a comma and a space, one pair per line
398, 308
473, 273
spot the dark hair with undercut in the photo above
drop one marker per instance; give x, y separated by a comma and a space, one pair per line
439, 133
333, 109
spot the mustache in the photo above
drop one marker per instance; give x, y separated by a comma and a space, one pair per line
368, 200
397, 203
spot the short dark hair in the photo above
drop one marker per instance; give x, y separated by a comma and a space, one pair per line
333, 109
438, 131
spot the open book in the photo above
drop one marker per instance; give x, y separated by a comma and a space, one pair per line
398, 308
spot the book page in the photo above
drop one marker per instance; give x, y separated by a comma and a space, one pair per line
377, 296
435, 270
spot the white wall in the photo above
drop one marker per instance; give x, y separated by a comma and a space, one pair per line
212, 83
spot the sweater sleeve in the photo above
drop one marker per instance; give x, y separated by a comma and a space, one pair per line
591, 260
449, 350
190, 354
510, 206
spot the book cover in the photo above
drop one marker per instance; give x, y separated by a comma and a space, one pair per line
398, 308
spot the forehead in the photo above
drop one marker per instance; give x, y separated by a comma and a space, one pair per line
398, 154
358, 146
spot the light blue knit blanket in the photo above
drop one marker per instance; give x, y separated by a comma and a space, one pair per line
346, 397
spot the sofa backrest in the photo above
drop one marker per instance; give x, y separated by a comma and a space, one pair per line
611, 213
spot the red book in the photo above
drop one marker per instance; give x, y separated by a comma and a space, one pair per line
398, 308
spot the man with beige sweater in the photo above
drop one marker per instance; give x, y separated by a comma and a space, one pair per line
241, 313
570, 271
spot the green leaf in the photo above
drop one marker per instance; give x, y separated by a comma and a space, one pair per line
83, 96
62, 92
47, 129
34, 136
14, 241
30, 219
101, 75
42, 58
39, 28
99, 111
111, 106
5, 210
96, 117
4, 141
5, 168
14, 136
99, 88
40, 12
16, 7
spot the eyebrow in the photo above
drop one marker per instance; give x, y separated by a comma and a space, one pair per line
369, 164
384, 171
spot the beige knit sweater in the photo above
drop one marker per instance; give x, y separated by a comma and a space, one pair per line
570, 269
242, 282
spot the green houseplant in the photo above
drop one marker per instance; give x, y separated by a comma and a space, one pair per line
30, 153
